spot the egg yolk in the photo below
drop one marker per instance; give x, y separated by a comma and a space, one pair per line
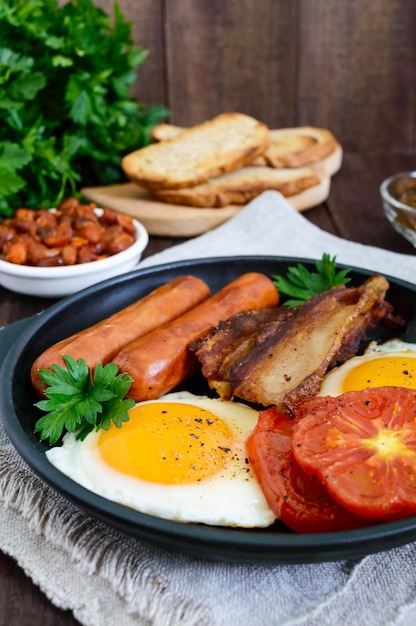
168, 443
382, 371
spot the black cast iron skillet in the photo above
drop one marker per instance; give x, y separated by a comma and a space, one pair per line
274, 545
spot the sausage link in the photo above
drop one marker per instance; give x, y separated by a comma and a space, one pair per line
99, 343
161, 360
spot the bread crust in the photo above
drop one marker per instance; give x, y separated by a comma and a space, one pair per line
241, 186
223, 144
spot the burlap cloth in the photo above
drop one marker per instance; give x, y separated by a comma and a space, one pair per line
108, 579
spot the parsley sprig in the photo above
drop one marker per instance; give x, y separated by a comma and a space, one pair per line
81, 400
67, 112
301, 284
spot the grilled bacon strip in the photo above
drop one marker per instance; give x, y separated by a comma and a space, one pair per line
286, 358
231, 340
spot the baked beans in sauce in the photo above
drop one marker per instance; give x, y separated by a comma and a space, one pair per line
70, 235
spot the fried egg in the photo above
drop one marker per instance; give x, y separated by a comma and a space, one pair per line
181, 457
392, 363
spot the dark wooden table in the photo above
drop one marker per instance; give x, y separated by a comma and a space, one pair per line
353, 211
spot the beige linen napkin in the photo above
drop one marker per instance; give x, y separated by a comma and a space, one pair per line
108, 579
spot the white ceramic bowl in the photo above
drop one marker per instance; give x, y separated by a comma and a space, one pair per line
57, 282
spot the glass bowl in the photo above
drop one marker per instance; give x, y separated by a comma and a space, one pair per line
398, 194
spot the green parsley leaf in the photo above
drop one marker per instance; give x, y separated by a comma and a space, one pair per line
13, 156
66, 71
82, 400
301, 284
10, 181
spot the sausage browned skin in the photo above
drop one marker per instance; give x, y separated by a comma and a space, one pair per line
100, 342
161, 360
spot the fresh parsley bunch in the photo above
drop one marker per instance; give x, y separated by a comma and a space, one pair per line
301, 284
80, 400
66, 115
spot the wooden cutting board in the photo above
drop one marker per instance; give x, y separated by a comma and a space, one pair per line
173, 220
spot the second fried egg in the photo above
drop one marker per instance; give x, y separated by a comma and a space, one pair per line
392, 363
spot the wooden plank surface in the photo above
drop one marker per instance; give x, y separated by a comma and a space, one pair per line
356, 65
346, 66
355, 204
232, 55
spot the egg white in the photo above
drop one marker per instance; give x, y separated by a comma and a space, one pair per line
231, 497
332, 384
392, 345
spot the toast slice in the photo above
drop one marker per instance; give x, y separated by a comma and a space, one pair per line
297, 147
165, 132
330, 165
289, 147
223, 144
240, 186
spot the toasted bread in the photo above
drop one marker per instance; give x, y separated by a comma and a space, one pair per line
296, 147
289, 147
223, 144
240, 186
329, 165
165, 132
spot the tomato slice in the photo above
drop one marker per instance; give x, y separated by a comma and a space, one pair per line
362, 447
297, 499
